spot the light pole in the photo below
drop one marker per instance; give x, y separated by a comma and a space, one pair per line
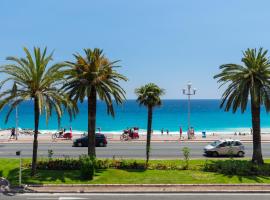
19, 153
17, 122
189, 92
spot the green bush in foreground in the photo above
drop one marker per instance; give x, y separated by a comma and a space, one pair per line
158, 172
58, 164
87, 169
186, 153
227, 167
237, 167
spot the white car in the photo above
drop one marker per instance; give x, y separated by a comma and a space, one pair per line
225, 147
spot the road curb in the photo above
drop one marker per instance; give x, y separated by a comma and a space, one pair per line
148, 188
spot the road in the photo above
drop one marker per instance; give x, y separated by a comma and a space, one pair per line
162, 150
141, 196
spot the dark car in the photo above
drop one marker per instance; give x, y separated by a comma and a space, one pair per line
101, 141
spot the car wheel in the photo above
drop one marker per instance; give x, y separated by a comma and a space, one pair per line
240, 154
121, 138
101, 144
79, 144
215, 154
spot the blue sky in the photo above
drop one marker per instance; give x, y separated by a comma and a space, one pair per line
168, 42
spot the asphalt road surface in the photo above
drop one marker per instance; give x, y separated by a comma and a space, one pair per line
142, 196
163, 150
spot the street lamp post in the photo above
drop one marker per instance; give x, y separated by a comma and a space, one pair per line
189, 92
16, 122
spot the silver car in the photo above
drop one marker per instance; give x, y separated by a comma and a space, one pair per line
225, 148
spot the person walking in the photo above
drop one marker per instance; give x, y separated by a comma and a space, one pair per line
12, 135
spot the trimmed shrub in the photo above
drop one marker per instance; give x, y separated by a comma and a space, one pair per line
87, 167
186, 154
237, 167
58, 164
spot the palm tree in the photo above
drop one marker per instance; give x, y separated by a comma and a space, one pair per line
34, 80
250, 80
149, 96
91, 77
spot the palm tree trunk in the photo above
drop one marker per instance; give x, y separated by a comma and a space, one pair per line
92, 107
149, 130
35, 143
256, 126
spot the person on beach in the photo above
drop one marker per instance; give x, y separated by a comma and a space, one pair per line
162, 131
12, 135
181, 132
61, 132
167, 132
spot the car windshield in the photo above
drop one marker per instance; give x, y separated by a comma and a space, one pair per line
215, 143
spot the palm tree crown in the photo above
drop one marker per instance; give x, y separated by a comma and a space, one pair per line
149, 95
250, 80
34, 79
95, 71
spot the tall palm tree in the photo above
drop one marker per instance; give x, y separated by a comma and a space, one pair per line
33, 79
149, 96
92, 76
250, 80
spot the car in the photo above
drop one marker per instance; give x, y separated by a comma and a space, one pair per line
101, 141
225, 147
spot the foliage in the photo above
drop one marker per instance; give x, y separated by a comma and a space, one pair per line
50, 154
173, 174
87, 167
186, 154
32, 77
59, 164
149, 95
237, 167
253, 78
95, 71
74, 164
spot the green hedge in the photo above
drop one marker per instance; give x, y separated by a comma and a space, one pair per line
74, 164
237, 167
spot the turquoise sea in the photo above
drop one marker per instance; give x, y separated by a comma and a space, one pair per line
205, 115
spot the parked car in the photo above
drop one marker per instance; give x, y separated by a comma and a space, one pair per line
101, 141
225, 147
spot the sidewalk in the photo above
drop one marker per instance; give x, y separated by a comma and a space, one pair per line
47, 138
141, 188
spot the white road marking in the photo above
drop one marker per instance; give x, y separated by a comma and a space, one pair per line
70, 198
55, 198
42, 198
